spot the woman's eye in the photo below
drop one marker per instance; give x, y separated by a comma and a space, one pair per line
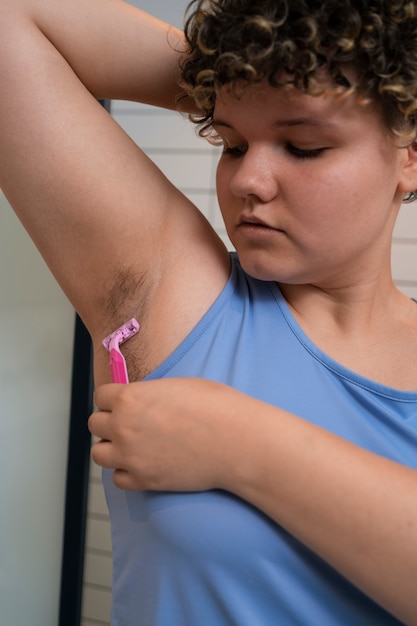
303, 153
234, 151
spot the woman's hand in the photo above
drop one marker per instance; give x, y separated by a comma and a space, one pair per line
174, 434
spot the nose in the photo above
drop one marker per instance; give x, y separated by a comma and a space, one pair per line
255, 174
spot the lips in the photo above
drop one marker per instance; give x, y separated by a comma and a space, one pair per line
253, 221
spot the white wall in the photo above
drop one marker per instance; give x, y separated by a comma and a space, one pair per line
36, 326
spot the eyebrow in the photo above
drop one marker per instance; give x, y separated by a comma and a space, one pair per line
296, 121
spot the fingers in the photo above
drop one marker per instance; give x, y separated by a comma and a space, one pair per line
103, 451
106, 454
108, 426
104, 396
99, 424
124, 480
102, 454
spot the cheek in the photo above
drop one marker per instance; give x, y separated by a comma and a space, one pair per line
340, 192
349, 213
224, 195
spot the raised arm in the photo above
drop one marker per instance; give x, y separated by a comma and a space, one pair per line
116, 50
117, 235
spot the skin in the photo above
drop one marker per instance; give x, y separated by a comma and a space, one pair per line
89, 215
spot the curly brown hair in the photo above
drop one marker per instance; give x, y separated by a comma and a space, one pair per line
291, 41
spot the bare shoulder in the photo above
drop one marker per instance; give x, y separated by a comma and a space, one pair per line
389, 354
378, 343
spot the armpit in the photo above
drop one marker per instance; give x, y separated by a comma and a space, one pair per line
126, 288
127, 295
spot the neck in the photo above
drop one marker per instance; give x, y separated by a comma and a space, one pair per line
348, 304
369, 328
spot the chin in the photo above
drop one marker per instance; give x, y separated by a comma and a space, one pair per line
257, 267
262, 266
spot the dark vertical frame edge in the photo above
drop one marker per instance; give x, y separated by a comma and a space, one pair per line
78, 466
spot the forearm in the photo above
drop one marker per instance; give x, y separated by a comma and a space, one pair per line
116, 50
356, 510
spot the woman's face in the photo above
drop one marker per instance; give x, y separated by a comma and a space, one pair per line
309, 187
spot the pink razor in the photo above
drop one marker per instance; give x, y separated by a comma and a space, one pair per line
112, 344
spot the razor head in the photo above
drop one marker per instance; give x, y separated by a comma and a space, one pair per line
122, 334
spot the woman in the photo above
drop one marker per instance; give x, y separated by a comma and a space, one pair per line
264, 472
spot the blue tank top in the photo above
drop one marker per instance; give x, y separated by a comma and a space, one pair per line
211, 559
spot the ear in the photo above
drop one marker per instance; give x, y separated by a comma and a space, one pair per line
408, 175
